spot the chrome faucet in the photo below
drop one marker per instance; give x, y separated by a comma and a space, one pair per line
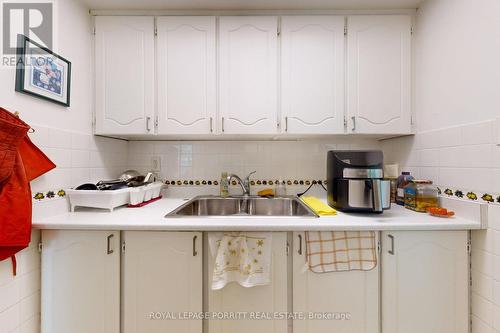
245, 184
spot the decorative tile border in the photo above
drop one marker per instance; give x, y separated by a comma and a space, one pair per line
447, 192
253, 182
49, 195
470, 195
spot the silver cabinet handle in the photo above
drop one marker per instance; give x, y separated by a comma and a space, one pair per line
286, 124
109, 250
391, 251
222, 124
148, 120
300, 244
211, 125
353, 123
195, 253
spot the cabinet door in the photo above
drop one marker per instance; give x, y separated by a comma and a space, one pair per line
161, 275
379, 69
248, 74
186, 74
235, 298
80, 281
312, 74
425, 282
124, 65
355, 293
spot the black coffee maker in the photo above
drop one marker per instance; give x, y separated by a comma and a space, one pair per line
355, 181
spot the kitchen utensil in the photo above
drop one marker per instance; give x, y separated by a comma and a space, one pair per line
86, 187
129, 174
124, 178
112, 187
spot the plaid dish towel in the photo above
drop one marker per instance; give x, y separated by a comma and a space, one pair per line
338, 251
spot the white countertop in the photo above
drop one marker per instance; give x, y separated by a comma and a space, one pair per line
152, 217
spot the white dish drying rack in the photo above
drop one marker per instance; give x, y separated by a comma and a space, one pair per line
114, 198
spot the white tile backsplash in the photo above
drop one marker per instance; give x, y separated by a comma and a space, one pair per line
20, 294
271, 159
79, 157
461, 156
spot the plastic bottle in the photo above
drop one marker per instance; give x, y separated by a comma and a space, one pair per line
403, 180
391, 174
280, 189
224, 185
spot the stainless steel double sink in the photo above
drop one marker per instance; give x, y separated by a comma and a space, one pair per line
243, 206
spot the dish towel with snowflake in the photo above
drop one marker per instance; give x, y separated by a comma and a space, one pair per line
241, 257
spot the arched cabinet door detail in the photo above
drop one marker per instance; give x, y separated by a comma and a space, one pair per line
312, 74
378, 74
186, 74
124, 66
248, 74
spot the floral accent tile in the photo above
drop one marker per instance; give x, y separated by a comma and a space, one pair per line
51, 194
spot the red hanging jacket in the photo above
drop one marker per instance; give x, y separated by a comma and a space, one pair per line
12, 131
15, 196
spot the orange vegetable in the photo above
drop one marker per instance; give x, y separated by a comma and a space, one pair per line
440, 212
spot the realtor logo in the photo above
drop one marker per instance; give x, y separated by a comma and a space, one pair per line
32, 19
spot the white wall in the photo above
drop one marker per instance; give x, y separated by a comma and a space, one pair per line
73, 41
457, 72
457, 52
457, 99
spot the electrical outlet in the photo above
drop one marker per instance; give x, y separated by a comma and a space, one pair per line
156, 163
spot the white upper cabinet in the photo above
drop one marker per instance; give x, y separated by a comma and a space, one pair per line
186, 74
248, 74
204, 75
124, 64
312, 74
378, 74
425, 285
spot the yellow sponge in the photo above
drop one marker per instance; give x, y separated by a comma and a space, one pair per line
266, 193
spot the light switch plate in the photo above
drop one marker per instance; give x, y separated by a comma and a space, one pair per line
156, 163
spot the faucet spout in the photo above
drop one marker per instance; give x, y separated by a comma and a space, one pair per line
245, 184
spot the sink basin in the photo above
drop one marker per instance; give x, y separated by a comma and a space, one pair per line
212, 206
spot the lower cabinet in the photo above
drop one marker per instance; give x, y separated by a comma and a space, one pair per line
425, 285
354, 293
80, 281
162, 278
90, 283
259, 300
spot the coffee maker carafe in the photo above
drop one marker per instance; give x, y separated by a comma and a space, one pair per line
355, 181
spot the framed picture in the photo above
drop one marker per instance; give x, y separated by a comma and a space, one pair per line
42, 73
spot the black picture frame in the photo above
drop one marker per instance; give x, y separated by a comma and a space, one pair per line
51, 84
